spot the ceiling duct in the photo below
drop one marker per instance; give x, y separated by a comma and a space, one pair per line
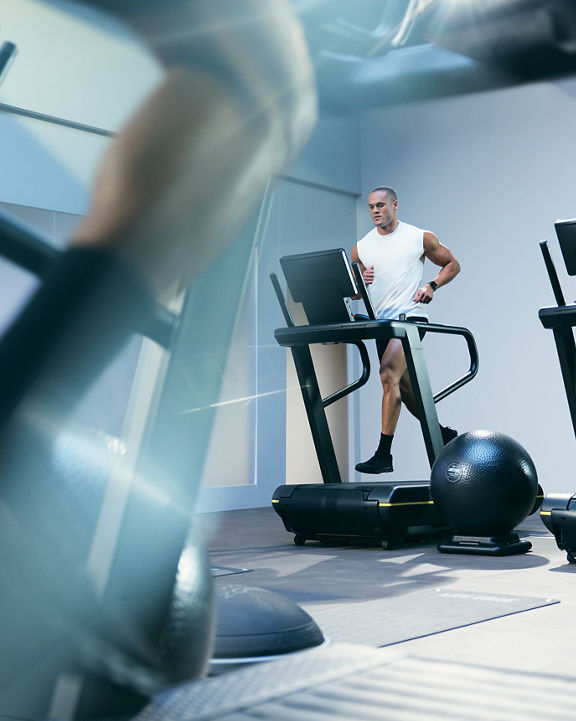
374, 52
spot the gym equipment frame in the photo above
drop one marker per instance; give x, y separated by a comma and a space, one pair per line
386, 512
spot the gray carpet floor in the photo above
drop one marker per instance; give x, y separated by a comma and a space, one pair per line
518, 666
364, 594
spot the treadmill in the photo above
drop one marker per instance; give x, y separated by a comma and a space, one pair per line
386, 513
558, 510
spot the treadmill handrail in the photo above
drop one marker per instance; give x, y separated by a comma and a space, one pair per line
351, 387
552, 274
472, 352
21, 247
555, 317
365, 330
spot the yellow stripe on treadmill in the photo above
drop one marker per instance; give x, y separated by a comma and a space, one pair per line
411, 503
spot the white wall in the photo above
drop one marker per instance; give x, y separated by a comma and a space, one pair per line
72, 64
489, 174
45, 166
331, 155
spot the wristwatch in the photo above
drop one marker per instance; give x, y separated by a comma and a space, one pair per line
433, 284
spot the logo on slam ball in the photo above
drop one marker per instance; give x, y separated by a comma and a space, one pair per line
454, 472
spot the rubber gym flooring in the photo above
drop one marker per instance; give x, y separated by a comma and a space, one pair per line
389, 588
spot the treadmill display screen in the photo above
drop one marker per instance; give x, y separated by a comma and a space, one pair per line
566, 232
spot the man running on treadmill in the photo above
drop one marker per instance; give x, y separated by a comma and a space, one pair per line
391, 257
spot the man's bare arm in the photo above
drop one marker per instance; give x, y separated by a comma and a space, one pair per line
440, 255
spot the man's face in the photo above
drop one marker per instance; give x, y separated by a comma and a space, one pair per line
382, 208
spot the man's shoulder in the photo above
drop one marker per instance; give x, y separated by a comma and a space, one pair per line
409, 227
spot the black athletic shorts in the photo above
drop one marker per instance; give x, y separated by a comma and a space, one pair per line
382, 343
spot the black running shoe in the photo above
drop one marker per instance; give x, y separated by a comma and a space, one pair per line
448, 434
377, 464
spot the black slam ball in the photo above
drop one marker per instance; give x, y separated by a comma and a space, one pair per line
484, 484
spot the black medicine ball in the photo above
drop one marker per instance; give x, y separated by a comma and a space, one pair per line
484, 484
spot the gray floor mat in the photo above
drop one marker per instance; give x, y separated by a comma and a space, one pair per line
351, 683
390, 620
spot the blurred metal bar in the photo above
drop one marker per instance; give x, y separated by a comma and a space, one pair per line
22, 247
54, 120
25, 249
7, 51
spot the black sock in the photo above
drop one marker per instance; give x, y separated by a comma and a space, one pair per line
385, 445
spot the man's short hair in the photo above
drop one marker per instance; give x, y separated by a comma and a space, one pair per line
385, 189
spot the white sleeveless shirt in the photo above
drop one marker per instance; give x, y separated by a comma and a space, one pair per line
398, 260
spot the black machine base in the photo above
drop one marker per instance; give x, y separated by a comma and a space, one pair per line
486, 545
558, 513
389, 514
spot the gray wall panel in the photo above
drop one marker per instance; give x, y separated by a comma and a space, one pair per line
489, 173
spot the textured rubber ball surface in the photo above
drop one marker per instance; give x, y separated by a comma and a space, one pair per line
257, 622
484, 483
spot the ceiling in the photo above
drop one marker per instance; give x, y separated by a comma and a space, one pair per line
372, 52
